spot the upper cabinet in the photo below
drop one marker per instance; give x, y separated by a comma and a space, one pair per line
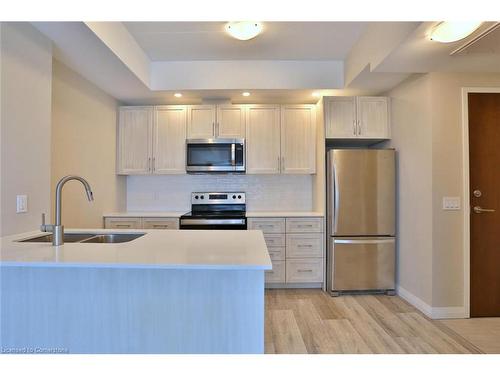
298, 139
263, 139
216, 121
169, 140
152, 140
134, 140
362, 117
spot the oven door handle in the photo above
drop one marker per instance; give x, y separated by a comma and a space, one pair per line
233, 154
212, 221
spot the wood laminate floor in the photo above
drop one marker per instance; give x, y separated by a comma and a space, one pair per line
310, 321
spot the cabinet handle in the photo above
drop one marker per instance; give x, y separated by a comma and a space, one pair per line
154, 164
123, 225
359, 127
299, 246
149, 164
283, 162
305, 225
165, 226
354, 127
213, 129
279, 164
304, 270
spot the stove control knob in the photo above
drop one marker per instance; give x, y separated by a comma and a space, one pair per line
234, 196
239, 196
196, 197
202, 197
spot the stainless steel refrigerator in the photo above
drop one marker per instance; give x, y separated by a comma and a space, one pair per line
361, 199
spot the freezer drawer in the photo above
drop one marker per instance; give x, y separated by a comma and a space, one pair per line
361, 263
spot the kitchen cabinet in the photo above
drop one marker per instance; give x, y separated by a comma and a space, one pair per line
134, 140
263, 148
169, 140
362, 117
139, 222
216, 121
296, 247
298, 139
152, 140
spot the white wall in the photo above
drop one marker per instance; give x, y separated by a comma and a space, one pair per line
264, 193
26, 71
84, 143
427, 131
412, 138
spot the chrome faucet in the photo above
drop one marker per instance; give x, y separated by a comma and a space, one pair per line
57, 229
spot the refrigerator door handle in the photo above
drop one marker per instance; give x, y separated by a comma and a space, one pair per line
365, 241
336, 195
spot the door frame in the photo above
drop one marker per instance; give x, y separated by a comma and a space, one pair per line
466, 183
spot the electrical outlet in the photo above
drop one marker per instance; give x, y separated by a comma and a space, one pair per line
451, 203
21, 204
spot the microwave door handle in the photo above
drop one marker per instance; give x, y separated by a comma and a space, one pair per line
233, 154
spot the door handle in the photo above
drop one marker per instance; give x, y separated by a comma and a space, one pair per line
479, 210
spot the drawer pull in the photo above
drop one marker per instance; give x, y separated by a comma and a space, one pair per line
160, 226
304, 245
123, 225
305, 225
304, 270
266, 225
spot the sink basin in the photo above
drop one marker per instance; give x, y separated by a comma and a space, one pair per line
68, 237
113, 238
88, 237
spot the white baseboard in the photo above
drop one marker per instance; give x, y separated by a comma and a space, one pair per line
451, 312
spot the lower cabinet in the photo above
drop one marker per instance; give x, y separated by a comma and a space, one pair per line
296, 247
141, 223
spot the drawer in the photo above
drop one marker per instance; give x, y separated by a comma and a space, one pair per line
304, 224
304, 245
267, 225
277, 274
275, 239
304, 270
122, 223
276, 253
160, 223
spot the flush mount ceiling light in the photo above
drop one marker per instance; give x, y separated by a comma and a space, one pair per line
243, 30
246, 93
447, 32
178, 95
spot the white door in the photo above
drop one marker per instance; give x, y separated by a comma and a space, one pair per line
169, 140
201, 121
298, 139
373, 117
134, 140
263, 139
340, 117
230, 121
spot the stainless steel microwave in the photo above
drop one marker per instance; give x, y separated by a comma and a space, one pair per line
220, 155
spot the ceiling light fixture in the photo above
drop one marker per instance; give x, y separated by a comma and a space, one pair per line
178, 95
448, 32
243, 30
246, 93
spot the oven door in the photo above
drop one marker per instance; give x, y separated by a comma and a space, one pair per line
220, 224
215, 155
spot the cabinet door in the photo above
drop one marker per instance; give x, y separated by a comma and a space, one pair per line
373, 117
201, 121
134, 140
298, 139
169, 140
230, 121
263, 139
340, 117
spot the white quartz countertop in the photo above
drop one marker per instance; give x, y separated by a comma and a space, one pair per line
248, 214
167, 249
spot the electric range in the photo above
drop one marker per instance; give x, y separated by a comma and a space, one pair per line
223, 210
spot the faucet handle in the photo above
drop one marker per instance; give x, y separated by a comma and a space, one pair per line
43, 218
46, 227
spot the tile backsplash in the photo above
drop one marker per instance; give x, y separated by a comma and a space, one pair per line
264, 193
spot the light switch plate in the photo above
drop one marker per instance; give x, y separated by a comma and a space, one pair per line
21, 204
451, 203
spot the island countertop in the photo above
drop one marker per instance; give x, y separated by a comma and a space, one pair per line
168, 249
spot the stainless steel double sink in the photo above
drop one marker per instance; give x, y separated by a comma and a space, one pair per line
89, 237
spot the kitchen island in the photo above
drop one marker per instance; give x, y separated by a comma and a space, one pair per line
168, 291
